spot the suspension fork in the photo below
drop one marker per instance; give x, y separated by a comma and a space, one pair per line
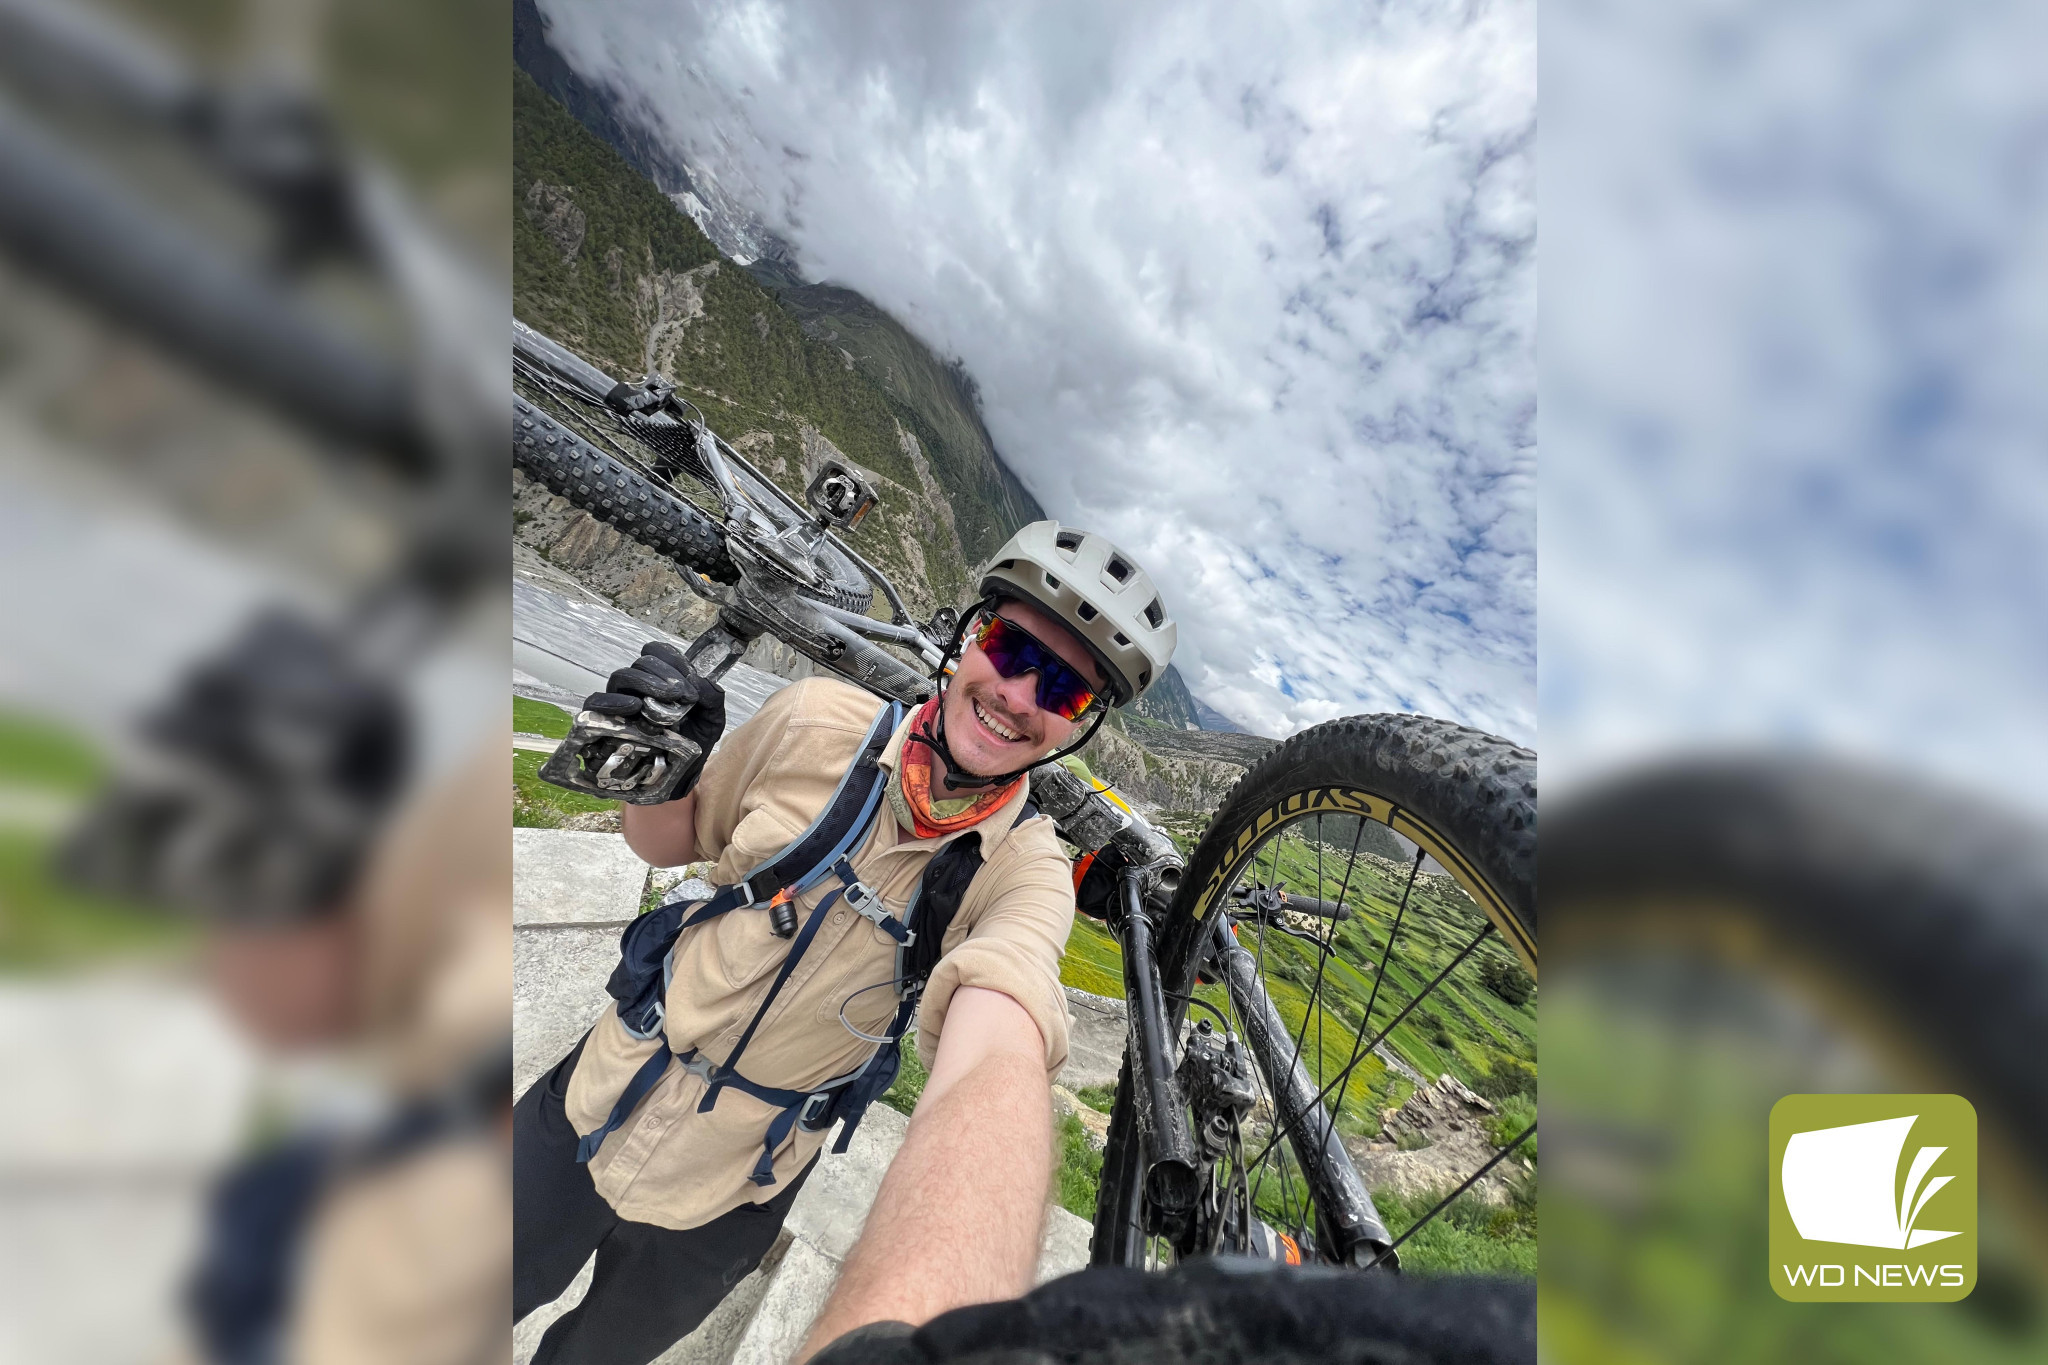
1171, 1179
1347, 1224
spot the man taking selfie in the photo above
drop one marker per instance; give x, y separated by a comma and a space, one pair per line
878, 872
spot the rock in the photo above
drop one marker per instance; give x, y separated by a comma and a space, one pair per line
558, 978
1448, 1118
1095, 1040
552, 209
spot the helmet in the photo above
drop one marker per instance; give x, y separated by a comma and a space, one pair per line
1098, 591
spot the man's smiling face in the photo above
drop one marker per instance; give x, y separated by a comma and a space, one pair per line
994, 724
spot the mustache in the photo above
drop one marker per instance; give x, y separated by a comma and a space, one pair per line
1024, 727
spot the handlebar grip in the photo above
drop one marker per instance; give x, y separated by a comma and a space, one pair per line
1309, 905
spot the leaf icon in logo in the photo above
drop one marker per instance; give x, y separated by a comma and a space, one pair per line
1838, 1185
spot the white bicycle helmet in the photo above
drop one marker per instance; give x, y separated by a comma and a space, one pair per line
1098, 591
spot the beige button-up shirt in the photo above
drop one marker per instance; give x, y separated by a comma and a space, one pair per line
674, 1167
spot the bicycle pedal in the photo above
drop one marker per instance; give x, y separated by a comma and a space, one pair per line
607, 757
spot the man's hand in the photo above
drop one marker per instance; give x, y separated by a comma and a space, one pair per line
960, 1213
656, 684
659, 689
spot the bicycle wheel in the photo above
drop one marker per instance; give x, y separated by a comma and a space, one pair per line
571, 393
615, 493
1727, 934
1377, 872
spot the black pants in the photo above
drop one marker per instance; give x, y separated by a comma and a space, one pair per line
653, 1285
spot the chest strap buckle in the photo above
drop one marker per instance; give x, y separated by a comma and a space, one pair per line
867, 903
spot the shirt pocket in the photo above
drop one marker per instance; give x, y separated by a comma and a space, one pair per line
747, 949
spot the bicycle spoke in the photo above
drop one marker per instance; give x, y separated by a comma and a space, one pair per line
1379, 976
1445, 1202
1423, 994
1323, 956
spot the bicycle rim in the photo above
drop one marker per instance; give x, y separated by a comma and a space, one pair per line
1378, 872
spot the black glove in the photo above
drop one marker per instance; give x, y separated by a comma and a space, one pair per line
661, 691
260, 784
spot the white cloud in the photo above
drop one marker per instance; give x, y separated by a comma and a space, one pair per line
1250, 289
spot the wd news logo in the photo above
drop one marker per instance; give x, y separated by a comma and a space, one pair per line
1873, 1198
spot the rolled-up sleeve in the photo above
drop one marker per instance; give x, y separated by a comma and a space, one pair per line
1016, 918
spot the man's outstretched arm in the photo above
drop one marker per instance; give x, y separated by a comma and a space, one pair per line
960, 1213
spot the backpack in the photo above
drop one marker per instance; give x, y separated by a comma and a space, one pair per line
647, 957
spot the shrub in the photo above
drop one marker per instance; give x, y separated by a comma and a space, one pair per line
1515, 1115
1509, 1077
1506, 979
1097, 1097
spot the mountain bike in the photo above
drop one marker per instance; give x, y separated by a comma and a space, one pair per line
1237, 1131
263, 825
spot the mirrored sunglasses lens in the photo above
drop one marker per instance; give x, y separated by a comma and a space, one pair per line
1061, 690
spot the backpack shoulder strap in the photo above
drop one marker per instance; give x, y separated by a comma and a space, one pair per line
839, 826
939, 893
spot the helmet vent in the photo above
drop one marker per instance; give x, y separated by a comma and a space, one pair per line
1088, 613
1156, 614
1122, 639
1068, 541
1052, 582
1145, 678
1117, 569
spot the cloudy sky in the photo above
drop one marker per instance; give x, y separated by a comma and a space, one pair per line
1794, 331
1251, 289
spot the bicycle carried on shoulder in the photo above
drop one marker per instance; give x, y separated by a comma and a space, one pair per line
1239, 1131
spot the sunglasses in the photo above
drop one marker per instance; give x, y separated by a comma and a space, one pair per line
1012, 650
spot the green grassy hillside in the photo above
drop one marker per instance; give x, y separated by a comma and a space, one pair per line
934, 399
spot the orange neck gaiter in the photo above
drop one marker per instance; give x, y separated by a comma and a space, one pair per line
933, 816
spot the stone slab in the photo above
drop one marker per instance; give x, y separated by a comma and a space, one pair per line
558, 978
794, 1298
130, 1073
1064, 1248
835, 1201
1095, 1040
566, 877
